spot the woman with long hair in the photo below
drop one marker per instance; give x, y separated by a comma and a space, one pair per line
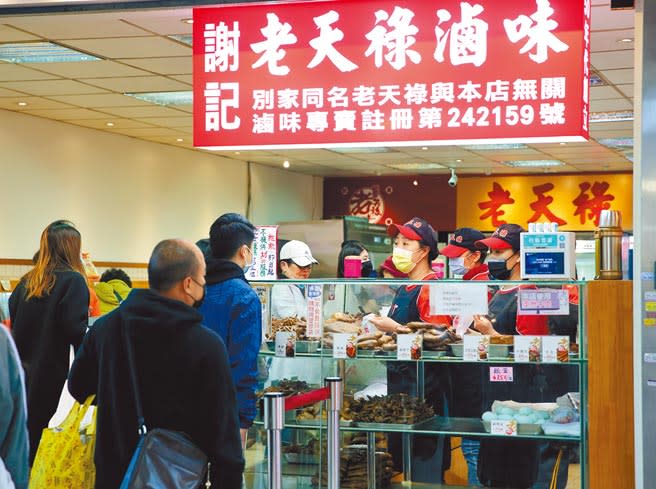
49, 312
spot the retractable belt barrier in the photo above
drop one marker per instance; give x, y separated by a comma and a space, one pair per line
275, 405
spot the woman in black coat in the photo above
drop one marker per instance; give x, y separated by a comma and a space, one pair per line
49, 311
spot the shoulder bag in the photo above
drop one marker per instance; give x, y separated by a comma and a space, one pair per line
163, 458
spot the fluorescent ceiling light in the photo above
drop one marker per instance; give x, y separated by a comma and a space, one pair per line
533, 163
617, 143
494, 147
183, 38
363, 149
41, 52
164, 98
617, 116
416, 166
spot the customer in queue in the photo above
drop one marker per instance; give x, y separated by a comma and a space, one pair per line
112, 289
14, 445
182, 368
296, 262
49, 312
232, 309
352, 249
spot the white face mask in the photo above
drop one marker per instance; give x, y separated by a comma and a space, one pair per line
249, 265
457, 266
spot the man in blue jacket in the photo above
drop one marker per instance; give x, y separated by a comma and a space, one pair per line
232, 308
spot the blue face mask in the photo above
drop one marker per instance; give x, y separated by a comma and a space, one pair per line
457, 266
248, 266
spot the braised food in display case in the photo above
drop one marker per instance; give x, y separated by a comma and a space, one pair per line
394, 409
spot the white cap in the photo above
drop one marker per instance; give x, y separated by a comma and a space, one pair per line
298, 252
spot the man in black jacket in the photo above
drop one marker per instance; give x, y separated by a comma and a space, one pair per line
184, 377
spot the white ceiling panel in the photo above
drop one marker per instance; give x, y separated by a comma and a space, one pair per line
8, 93
184, 78
626, 89
52, 87
185, 121
164, 22
100, 100
9, 34
101, 123
149, 110
609, 40
13, 72
146, 131
75, 26
69, 114
619, 76
603, 18
612, 60
89, 69
133, 47
603, 92
610, 105
33, 103
137, 84
166, 66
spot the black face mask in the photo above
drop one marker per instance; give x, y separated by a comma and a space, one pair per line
498, 269
198, 302
367, 269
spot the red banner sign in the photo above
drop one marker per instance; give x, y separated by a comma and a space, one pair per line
357, 72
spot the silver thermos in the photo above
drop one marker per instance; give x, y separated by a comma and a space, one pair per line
608, 246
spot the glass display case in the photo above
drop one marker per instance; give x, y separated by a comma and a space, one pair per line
432, 400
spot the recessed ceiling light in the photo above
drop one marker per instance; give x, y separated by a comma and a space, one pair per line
415, 183
563, 144
164, 98
533, 163
626, 40
237, 152
41, 52
425, 148
22, 104
180, 140
109, 124
187, 21
286, 164
458, 161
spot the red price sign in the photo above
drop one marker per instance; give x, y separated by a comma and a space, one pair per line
360, 72
501, 374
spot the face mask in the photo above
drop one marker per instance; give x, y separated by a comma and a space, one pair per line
498, 268
402, 260
457, 266
198, 302
249, 265
367, 268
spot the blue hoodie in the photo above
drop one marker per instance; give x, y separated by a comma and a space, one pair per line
14, 445
233, 310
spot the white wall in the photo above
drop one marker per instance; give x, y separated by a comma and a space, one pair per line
124, 194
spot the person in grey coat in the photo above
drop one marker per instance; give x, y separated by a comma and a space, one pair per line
14, 444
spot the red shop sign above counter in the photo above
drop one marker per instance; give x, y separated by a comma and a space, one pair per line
361, 72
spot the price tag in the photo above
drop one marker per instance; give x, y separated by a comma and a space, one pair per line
344, 345
314, 294
409, 347
527, 349
475, 348
555, 349
285, 344
458, 299
503, 428
501, 374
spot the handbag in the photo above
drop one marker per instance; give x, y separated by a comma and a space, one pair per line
163, 458
65, 455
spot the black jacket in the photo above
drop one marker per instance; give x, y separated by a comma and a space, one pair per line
43, 330
184, 381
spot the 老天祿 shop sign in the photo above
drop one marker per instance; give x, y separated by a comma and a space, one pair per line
573, 201
361, 72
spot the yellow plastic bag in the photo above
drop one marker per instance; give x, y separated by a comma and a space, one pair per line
64, 459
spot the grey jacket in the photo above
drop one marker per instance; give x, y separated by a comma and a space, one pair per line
14, 445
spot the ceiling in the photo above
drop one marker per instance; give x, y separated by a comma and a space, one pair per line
140, 56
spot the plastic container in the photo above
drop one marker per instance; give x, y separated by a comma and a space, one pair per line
352, 268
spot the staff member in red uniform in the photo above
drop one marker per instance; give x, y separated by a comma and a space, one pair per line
415, 247
510, 463
466, 260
